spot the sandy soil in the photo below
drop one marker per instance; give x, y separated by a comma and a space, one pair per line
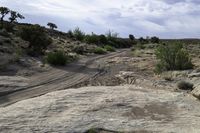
55, 79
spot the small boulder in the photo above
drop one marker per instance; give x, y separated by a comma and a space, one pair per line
196, 92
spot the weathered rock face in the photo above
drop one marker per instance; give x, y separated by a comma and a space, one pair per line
121, 108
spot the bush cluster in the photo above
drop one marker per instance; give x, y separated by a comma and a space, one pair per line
99, 50
92, 39
109, 48
172, 57
155, 39
58, 58
37, 38
111, 38
78, 34
143, 41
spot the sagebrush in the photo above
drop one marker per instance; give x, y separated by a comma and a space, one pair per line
172, 57
37, 38
58, 58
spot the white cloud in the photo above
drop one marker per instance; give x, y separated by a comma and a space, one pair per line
167, 18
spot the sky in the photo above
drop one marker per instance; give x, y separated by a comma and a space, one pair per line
163, 18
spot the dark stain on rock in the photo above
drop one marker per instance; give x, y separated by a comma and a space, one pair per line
101, 130
162, 112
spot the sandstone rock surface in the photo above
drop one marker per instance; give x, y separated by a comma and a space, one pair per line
196, 92
121, 108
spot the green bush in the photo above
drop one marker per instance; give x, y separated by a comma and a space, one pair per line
172, 57
99, 50
155, 39
70, 34
58, 58
80, 49
109, 48
37, 37
91, 39
142, 40
120, 43
131, 37
102, 39
111, 36
140, 46
78, 34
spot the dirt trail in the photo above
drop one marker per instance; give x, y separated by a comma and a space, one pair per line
57, 79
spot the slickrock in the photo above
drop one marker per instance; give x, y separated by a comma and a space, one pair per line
121, 108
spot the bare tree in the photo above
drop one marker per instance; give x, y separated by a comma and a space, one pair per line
52, 26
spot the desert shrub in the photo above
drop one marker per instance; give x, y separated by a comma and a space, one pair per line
17, 55
110, 35
131, 37
80, 49
172, 57
78, 34
58, 58
109, 48
70, 34
140, 46
91, 39
155, 39
120, 43
99, 50
103, 39
38, 39
183, 85
142, 40
9, 27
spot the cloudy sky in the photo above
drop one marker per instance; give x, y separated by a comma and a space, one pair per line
163, 18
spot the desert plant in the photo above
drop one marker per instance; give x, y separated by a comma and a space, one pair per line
183, 85
80, 49
70, 34
140, 46
38, 39
111, 36
91, 39
155, 39
99, 50
58, 58
102, 39
14, 16
172, 57
142, 40
78, 34
52, 26
131, 37
109, 48
3, 12
9, 27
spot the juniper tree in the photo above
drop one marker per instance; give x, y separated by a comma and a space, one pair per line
3, 12
14, 16
52, 26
